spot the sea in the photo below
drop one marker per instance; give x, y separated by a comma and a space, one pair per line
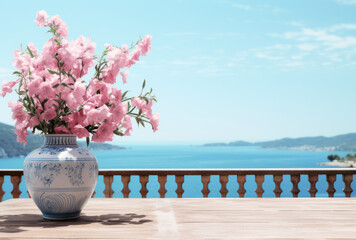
187, 157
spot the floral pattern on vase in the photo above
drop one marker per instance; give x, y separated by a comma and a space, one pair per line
51, 151
60, 176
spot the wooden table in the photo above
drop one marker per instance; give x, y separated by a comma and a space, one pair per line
209, 218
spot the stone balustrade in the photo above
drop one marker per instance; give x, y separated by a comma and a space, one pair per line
179, 174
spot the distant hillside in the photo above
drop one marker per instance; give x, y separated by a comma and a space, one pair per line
345, 142
9, 147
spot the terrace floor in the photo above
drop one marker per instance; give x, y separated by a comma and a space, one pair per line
208, 218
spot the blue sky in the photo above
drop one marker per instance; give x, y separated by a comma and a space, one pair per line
222, 70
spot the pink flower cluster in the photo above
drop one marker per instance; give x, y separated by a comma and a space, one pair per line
54, 98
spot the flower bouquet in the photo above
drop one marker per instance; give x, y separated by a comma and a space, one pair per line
54, 98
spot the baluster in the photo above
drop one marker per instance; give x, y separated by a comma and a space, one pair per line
92, 196
347, 178
108, 180
1, 191
223, 181
241, 179
295, 179
259, 180
16, 180
179, 181
331, 178
205, 179
313, 179
144, 181
162, 182
125, 189
277, 179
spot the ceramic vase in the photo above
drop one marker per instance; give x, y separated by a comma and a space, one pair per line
60, 176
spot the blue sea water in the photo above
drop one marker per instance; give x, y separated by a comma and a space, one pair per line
163, 157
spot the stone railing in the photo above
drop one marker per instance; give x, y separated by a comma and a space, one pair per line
259, 175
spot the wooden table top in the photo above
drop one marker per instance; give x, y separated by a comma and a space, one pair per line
209, 218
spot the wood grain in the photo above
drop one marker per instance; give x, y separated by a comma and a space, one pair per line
204, 218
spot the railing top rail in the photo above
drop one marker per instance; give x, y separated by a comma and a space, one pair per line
207, 171
216, 171
230, 171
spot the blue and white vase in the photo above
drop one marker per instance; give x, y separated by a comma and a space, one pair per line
60, 176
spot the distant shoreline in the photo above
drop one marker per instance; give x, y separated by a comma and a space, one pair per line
338, 164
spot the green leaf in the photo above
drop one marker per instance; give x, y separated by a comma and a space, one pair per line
29, 50
16, 73
56, 100
144, 84
55, 86
88, 141
52, 72
57, 41
123, 95
143, 125
117, 132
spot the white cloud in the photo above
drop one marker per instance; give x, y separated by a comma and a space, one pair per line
293, 64
338, 27
244, 7
184, 62
347, 2
299, 56
182, 34
268, 57
331, 41
212, 70
6, 73
307, 46
279, 47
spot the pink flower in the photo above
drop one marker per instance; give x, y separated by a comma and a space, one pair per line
118, 112
34, 86
33, 122
145, 45
17, 110
154, 121
117, 59
41, 18
7, 87
127, 124
49, 114
61, 130
33, 48
147, 109
80, 131
46, 91
104, 133
137, 102
62, 26
76, 97
124, 76
143, 106
50, 104
22, 61
21, 135
116, 95
97, 115
23, 121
